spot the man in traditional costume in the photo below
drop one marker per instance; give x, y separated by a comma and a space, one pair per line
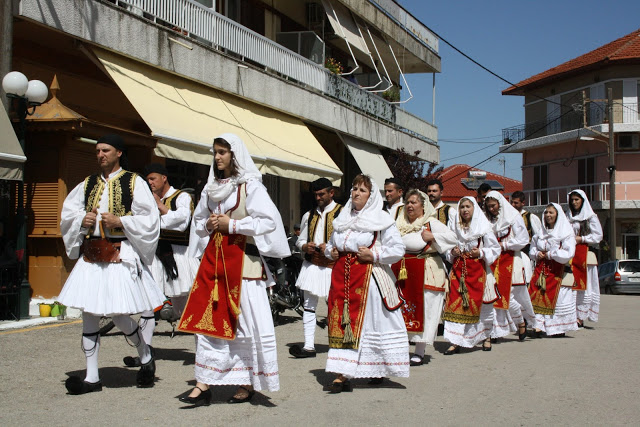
509, 269
422, 277
444, 213
110, 224
172, 269
234, 226
393, 194
315, 275
531, 222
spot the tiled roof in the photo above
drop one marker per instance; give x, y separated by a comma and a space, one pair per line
452, 177
623, 50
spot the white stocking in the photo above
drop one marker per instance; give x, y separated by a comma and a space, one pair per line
420, 348
147, 326
91, 345
309, 319
126, 324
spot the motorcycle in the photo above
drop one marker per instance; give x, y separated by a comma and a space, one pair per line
284, 295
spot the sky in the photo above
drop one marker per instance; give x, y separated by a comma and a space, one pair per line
516, 39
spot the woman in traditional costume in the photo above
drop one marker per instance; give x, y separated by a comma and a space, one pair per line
422, 276
509, 269
584, 265
468, 311
234, 224
367, 335
553, 299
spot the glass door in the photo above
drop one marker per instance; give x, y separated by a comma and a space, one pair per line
631, 246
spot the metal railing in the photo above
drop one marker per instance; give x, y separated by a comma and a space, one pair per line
193, 19
596, 192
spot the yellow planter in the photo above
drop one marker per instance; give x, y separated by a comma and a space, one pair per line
45, 310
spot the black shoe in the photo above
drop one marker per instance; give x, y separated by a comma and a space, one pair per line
322, 324
340, 386
494, 340
247, 398
204, 398
522, 335
147, 374
134, 362
486, 348
452, 350
375, 381
413, 362
300, 352
580, 324
76, 386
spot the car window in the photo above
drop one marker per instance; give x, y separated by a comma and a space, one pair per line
630, 266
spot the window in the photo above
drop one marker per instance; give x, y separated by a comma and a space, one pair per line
628, 141
587, 175
540, 183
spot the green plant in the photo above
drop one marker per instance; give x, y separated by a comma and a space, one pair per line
392, 94
333, 65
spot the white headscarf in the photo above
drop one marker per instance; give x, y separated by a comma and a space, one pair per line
560, 231
371, 218
406, 227
586, 211
479, 226
218, 190
507, 215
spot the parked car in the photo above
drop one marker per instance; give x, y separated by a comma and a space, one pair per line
620, 277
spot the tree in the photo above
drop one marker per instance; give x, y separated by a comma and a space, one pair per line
412, 171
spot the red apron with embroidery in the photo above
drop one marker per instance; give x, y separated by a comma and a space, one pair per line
503, 272
466, 288
412, 291
545, 286
579, 267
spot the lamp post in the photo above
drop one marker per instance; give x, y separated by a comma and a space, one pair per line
27, 95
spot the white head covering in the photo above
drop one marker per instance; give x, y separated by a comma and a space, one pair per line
507, 215
479, 226
371, 218
218, 190
560, 231
406, 227
586, 211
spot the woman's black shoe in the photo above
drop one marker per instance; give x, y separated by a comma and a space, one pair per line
204, 398
486, 348
247, 398
340, 386
452, 350
76, 386
522, 335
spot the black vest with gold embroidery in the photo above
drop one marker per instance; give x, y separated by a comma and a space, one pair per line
443, 214
173, 236
526, 217
120, 189
312, 223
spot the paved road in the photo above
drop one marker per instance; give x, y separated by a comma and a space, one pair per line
589, 377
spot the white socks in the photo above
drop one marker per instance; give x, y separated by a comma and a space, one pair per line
420, 348
147, 326
309, 320
126, 324
91, 345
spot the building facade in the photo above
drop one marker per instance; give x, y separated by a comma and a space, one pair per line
564, 142
170, 75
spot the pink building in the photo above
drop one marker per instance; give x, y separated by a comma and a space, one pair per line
564, 141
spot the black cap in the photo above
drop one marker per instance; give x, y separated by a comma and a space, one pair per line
321, 184
156, 168
114, 140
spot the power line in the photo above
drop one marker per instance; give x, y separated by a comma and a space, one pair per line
473, 152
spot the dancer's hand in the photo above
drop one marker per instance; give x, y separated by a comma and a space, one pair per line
365, 256
89, 219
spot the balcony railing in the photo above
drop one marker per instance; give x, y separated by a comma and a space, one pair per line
204, 24
597, 114
597, 192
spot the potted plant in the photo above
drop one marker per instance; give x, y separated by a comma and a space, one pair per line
333, 65
45, 309
392, 94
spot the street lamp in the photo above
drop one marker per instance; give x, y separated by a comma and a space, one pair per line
28, 95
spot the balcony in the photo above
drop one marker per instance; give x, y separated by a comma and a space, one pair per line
211, 28
627, 195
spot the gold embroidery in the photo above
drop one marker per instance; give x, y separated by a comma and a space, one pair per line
186, 322
227, 329
235, 292
195, 285
206, 323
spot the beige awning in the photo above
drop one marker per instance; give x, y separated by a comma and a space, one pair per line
368, 158
344, 25
11, 154
186, 116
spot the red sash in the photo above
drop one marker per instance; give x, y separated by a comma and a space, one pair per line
214, 301
579, 267
464, 301
412, 291
349, 289
503, 272
545, 286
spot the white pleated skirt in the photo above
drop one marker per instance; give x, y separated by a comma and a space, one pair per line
503, 324
314, 279
588, 301
564, 318
187, 270
252, 357
469, 334
433, 303
106, 289
384, 345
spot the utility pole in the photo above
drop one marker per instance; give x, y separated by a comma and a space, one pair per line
612, 179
